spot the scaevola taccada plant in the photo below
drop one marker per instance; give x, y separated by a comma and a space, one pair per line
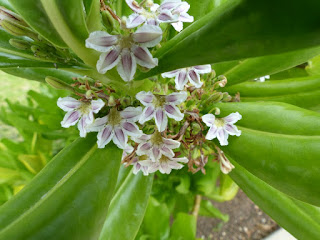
157, 112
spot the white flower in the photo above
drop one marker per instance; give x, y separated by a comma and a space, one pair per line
117, 126
221, 128
262, 79
161, 107
78, 111
170, 11
165, 164
139, 164
156, 146
125, 51
191, 74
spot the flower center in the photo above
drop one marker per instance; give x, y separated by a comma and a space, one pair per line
114, 117
126, 41
219, 122
149, 15
156, 138
163, 159
84, 108
159, 101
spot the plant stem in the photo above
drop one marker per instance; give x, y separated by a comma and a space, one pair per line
196, 206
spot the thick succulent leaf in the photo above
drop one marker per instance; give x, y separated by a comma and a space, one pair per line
275, 88
34, 14
127, 208
251, 68
242, 29
71, 194
184, 227
280, 145
6, 4
93, 17
300, 219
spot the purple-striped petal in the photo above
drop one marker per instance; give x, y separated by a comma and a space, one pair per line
108, 60
212, 133
104, 136
101, 41
171, 74
155, 154
208, 119
194, 78
233, 118
131, 114
152, 22
181, 79
166, 151
134, 6
96, 105
98, 124
170, 4
185, 17
164, 168
148, 35
232, 130
178, 26
177, 97
68, 104
70, 119
161, 120
142, 139
172, 144
183, 160
202, 69
222, 136
134, 20
144, 57
182, 8
127, 66
166, 16
144, 148
174, 165
145, 98
173, 112
84, 121
131, 129
120, 138
147, 114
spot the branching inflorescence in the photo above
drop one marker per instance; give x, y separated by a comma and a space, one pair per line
163, 128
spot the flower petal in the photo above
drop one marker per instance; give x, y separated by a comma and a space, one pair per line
208, 119
170, 4
98, 124
70, 119
131, 114
178, 26
134, 20
212, 133
185, 17
127, 66
82, 125
172, 144
233, 118
145, 98
144, 148
173, 112
183, 160
177, 97
147, 114
131, 129
101, 41
166, 151
225, 165
174, 165
155, 154
96, 105
152, 22
194, 78
164, 168
134, 6
222, 136
68, 104
181, 79
166, 16
148, 35
232, 130
104, 136
182, 8
144, 57
161, 120
202, 69
142, 139
171, 74
108, 60
120, 138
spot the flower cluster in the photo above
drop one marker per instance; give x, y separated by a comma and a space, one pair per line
162, 110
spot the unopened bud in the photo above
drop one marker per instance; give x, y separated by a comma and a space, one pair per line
216, 97
222, 81
9, 15
112, 101
195, 128
212, 75
82, 87
89, 94
108, 20
58, 84
226, 97
19, 44
38, 51
125, 101
17, 29
217, 111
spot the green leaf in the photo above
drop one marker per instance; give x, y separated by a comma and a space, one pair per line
34, 14
208, 210
93, 17
71, 194
242, 29
184, 227
300, 219
6, 4
127, 208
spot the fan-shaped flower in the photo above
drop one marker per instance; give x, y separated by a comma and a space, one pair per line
155, 146
221, 128
161, 107
125, 51
191, 74
165, 164
79, 111
170, 11
117, 126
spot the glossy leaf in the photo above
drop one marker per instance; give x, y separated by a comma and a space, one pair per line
6, 4
93, 17
242, 29
208, 210
34, 14
184, 227
71, 194
127, 208
300, 219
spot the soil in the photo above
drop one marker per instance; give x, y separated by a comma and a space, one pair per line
246, 221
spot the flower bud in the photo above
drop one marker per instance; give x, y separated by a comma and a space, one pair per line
38, 51
16, 29
108, 21
19, 44
89, 94
11, 16
58, 84
112, 101
226, 97
215, 97
195, 128
225, 165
